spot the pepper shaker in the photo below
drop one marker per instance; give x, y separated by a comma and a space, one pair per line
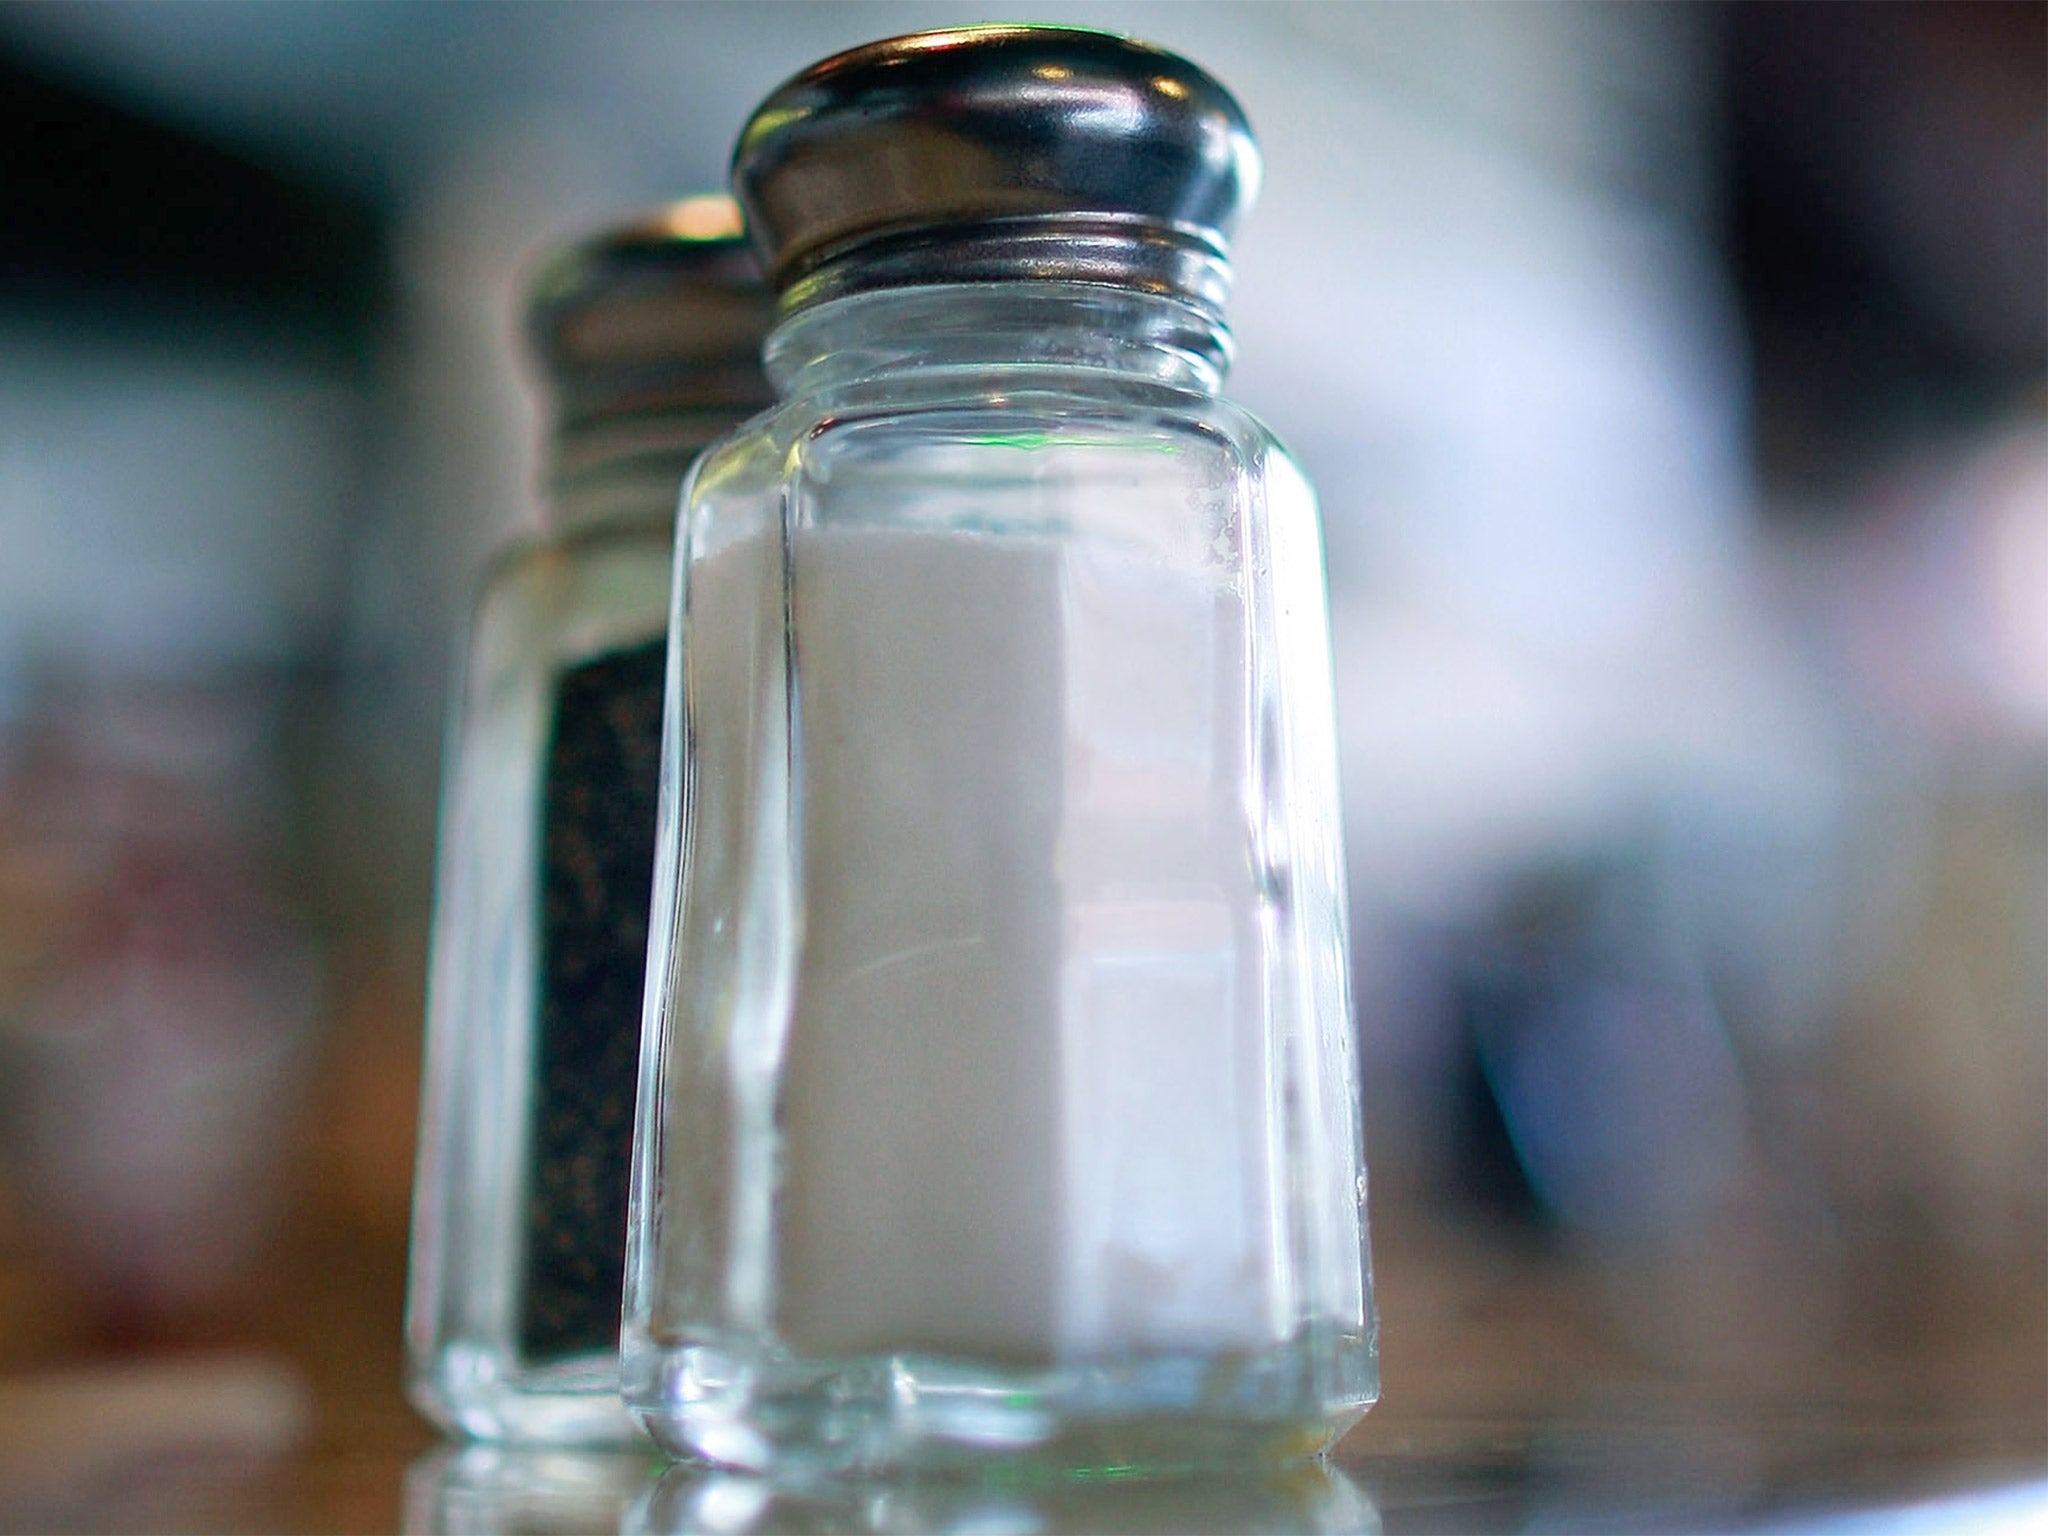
648, 338
999, 1091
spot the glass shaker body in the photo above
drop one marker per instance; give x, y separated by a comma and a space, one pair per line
999, 1091
544, 866
509, 1333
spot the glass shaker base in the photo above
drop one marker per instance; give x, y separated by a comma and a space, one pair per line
485, 1395
764, 1412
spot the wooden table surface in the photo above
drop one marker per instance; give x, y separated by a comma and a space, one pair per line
1507, 1408
1526, 1388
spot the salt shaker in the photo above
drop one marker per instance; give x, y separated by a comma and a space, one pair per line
649, 341
999, 1091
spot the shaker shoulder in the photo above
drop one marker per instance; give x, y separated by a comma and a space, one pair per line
1025, 398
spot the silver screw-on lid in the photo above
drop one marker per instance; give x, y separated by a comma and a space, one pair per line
671, 302
997, 152
649, 337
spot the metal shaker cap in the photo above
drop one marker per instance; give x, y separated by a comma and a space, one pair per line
671, 302
649, 336
997, 152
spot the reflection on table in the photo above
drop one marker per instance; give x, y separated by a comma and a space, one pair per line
1311, 1499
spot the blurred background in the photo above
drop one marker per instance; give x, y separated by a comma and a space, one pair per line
1673, 377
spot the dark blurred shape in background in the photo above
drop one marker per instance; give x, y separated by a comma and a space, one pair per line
1886, 214
112, 208
1674, 381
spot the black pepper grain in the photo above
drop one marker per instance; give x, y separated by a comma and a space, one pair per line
601, 782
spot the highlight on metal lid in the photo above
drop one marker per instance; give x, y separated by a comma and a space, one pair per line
996, 152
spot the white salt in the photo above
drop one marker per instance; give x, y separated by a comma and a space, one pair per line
1029, 1102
